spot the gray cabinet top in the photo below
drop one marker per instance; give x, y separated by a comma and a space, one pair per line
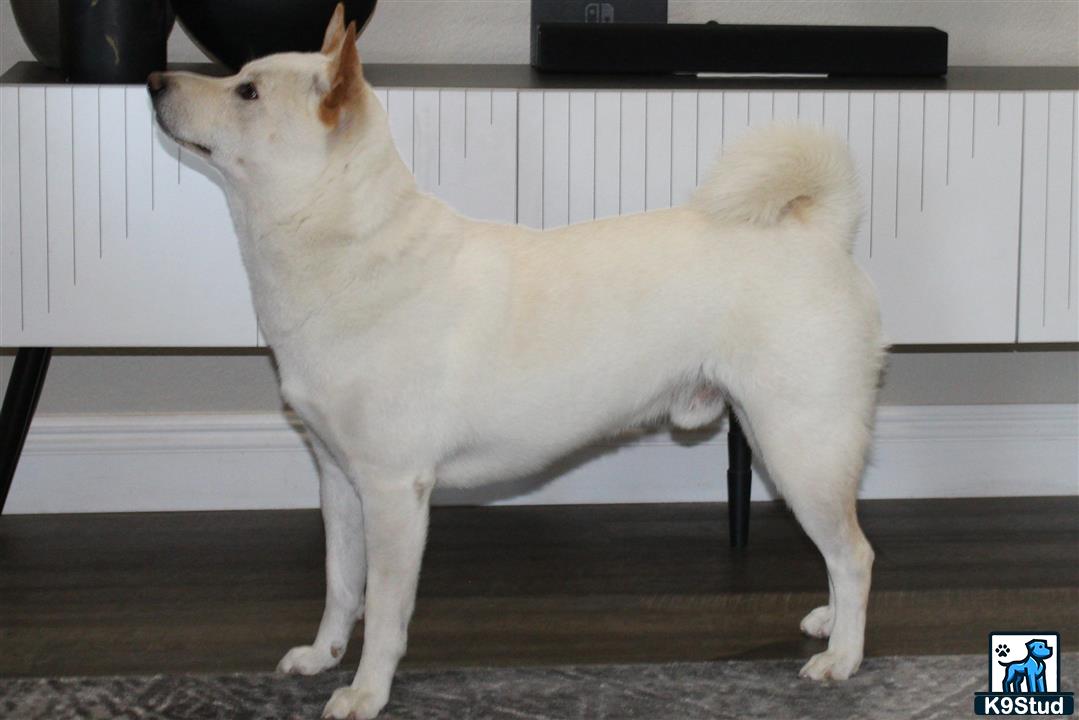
523, 77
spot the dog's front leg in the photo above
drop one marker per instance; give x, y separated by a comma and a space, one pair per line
1035, 682
395, 520
342, 516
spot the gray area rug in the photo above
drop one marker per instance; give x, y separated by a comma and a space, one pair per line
907, 688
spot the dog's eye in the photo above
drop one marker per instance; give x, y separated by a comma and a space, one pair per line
248, 91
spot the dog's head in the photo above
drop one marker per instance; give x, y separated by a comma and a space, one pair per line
280, 111
1039, 649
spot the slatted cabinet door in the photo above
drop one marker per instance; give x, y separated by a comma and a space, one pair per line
943, 213
1049, 262
111, 235
940, 173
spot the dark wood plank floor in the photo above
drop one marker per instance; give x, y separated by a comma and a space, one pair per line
186, 592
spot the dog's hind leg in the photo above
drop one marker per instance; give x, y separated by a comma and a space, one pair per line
814, 453
342, 516
1011, 680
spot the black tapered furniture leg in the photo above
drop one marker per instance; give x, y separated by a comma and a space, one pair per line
20, 401
739, 479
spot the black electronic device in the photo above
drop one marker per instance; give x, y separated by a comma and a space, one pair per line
715, 48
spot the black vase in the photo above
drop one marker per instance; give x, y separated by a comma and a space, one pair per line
113, 41
236, 31
39, 23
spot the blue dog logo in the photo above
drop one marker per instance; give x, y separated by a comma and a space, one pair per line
1029, 670
1030, 686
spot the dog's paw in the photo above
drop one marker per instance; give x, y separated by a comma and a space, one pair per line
818, 623
308, 660
349, 703
831, 665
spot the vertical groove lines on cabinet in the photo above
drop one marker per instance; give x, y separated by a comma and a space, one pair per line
516, 152
872, 168
644, 175
1045, 228
595, 133
696, 140
569, 146
74, 256
948, 146
921, 187
48, 250
153, 176
1048, 270
1071, 195
1019, 250
569, 162
543, 160
898, 139
998, 109
973, 121
656, 181
22, 282
438, 143
722, 121
464, 127
127, 196
413, 132
100, 224
580, 157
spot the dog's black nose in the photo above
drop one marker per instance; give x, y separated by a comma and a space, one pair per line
157, 84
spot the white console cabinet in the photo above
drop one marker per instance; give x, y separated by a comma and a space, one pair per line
110, 235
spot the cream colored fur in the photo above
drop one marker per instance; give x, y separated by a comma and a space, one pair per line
421, 347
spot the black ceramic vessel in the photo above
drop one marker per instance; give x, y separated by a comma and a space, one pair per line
113, 41
236, 31
39, 24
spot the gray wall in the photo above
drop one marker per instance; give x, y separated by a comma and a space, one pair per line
244, 382
982, 32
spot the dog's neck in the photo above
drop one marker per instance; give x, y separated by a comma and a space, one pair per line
309, 236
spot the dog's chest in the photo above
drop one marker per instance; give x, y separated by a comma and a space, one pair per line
362, 404
312, 387
307, 404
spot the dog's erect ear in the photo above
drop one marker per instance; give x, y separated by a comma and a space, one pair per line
335, 31
346, 80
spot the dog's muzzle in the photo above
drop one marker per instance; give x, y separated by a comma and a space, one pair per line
158, 84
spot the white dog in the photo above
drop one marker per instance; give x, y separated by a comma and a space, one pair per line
422, 347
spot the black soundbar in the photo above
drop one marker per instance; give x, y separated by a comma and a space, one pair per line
714, 48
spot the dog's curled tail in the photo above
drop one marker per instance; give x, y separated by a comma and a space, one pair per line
785, 173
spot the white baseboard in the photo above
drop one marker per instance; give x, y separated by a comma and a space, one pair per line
101, 463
